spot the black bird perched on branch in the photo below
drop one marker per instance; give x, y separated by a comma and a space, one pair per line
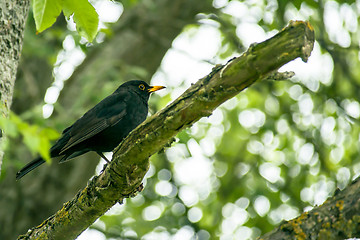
104, 126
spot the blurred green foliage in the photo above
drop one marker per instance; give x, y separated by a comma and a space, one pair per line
36, 138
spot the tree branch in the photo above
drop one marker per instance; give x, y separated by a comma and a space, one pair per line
122, 177
337, 218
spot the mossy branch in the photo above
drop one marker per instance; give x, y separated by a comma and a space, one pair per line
337, 218
123, 176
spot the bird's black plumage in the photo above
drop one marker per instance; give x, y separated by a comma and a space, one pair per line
104, 126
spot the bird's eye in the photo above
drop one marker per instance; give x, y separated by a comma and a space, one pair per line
142, 87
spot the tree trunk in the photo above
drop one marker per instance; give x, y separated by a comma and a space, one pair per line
13, 16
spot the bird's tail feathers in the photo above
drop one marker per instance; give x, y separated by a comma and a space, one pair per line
29, 167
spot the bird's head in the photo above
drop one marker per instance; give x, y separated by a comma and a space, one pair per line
140, 87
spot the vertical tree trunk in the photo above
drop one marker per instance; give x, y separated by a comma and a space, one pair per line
13, 16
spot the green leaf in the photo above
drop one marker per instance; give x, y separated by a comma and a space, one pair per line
43, 148
45, 13
31, 138
85, 17
45, 135
36, 138
9, 127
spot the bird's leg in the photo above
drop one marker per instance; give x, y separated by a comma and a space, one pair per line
103, 156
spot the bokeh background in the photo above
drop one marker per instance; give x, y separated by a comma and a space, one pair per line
277, 149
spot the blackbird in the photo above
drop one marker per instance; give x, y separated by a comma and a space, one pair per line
104, 126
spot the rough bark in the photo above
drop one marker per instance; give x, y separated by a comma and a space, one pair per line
34, 75
41, 193
13, 15
337, 218
122, 177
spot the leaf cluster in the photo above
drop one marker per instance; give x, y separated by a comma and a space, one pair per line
82, 12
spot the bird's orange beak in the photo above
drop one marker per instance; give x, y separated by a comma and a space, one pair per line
155, 88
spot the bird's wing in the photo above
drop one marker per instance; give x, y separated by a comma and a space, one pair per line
105, 114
